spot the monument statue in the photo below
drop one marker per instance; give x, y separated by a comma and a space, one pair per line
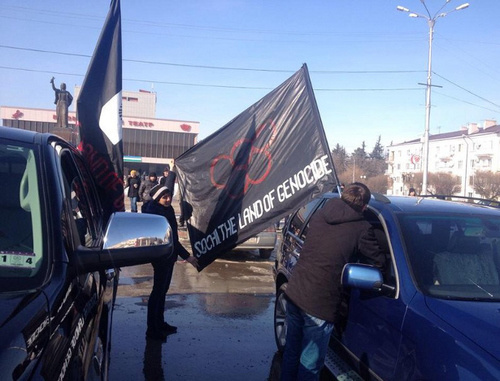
63, 101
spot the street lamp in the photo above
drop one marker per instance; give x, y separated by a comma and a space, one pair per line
431, 21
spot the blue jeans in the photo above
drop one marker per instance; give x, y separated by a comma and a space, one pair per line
133, 204
307, 340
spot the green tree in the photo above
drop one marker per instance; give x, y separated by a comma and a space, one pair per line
360, 152
367, 168
340, 158
378, 151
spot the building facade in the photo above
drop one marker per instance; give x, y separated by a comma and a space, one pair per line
460, 153
148, 143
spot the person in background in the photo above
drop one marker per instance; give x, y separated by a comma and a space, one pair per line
133, 184
168, 179
412, 192
338, 234
160, 204
146, 187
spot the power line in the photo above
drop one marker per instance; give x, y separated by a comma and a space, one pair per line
239, 69
219, 67
468, 91
466, 102
204, 85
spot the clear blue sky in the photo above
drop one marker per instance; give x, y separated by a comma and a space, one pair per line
365, 59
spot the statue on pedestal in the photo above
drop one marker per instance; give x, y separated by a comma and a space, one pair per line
63, 101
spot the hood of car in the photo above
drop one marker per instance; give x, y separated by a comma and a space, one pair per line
479, 321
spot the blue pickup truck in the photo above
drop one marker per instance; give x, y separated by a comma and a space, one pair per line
434, 314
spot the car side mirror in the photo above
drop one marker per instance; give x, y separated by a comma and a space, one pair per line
365, 277
130, 239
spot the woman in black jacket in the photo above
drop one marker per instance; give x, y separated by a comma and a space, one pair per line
133, 185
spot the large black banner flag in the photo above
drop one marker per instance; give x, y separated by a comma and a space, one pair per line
269, 160
99, 113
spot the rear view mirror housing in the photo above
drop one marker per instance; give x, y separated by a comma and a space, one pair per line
130, 239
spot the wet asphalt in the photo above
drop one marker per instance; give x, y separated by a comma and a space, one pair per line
224, 317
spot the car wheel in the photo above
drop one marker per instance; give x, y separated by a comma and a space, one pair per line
279, 318
265, 253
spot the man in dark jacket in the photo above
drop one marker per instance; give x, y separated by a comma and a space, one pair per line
168, 179
146, 187
338, 234
160, 203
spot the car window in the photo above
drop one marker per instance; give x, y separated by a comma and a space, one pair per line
298, 220
454, 256
21, 238
381, 235
82, 203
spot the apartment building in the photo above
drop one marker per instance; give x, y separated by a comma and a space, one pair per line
460, 153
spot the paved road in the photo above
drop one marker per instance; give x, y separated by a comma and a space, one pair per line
224, 316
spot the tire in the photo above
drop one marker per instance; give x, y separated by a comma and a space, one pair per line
265, 253
279, 318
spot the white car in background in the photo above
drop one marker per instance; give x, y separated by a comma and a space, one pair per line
265, 242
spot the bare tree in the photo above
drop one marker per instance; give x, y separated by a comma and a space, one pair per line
377, 184
487, 184
414, 180
444, 183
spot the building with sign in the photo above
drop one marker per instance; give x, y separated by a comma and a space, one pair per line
148, 143
460, 153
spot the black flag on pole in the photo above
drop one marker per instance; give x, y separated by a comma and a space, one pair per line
266, 162
99, 113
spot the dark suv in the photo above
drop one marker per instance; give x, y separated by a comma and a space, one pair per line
434, 314
59, 260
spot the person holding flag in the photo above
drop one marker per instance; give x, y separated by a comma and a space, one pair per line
160, 203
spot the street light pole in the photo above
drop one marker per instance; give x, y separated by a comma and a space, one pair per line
465, 137
431, 22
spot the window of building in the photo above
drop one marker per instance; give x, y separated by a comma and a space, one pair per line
156, 144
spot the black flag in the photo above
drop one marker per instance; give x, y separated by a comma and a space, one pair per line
99, 113
266, 162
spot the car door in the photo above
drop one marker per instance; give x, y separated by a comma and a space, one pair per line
295, 233
372, 333
78, 308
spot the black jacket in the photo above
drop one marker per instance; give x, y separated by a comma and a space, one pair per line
168, 212
132, 190
169, 181
337, 235
145, 188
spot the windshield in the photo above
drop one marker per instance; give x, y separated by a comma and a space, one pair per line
21, 246
454, 256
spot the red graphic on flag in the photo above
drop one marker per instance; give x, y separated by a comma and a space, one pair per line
256, 153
